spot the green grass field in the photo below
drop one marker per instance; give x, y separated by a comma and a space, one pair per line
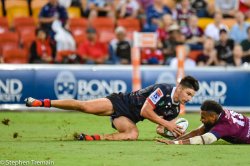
42, 136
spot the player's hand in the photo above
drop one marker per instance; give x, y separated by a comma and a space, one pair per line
172, 127
165, 141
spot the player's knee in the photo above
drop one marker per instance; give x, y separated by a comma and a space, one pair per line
133, 135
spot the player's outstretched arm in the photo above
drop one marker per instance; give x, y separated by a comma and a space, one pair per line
147, 112
207, 138
196, 132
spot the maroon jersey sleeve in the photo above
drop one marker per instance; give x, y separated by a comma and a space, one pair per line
222, 129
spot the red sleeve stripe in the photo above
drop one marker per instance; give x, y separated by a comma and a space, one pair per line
160, 92
151, 103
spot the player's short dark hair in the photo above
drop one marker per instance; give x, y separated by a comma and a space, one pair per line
211, 106
190, 82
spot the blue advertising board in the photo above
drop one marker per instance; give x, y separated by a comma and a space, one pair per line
229, 86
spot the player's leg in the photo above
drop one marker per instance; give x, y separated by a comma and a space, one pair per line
127, 130
102, 106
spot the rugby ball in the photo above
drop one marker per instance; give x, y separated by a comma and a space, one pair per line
180, 122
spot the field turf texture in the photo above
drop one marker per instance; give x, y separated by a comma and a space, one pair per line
49, 136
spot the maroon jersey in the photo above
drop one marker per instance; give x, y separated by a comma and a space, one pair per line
232, 127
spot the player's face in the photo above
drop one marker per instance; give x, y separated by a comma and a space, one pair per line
208, 118
186, 95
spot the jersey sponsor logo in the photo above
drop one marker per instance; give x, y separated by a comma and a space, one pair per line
156, 96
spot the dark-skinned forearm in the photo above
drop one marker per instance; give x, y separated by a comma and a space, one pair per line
193, 133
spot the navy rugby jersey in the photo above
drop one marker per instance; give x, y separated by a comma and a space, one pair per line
159, 96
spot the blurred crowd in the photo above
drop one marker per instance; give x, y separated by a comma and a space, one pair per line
214, 32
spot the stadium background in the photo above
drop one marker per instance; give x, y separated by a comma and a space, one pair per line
48, 136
